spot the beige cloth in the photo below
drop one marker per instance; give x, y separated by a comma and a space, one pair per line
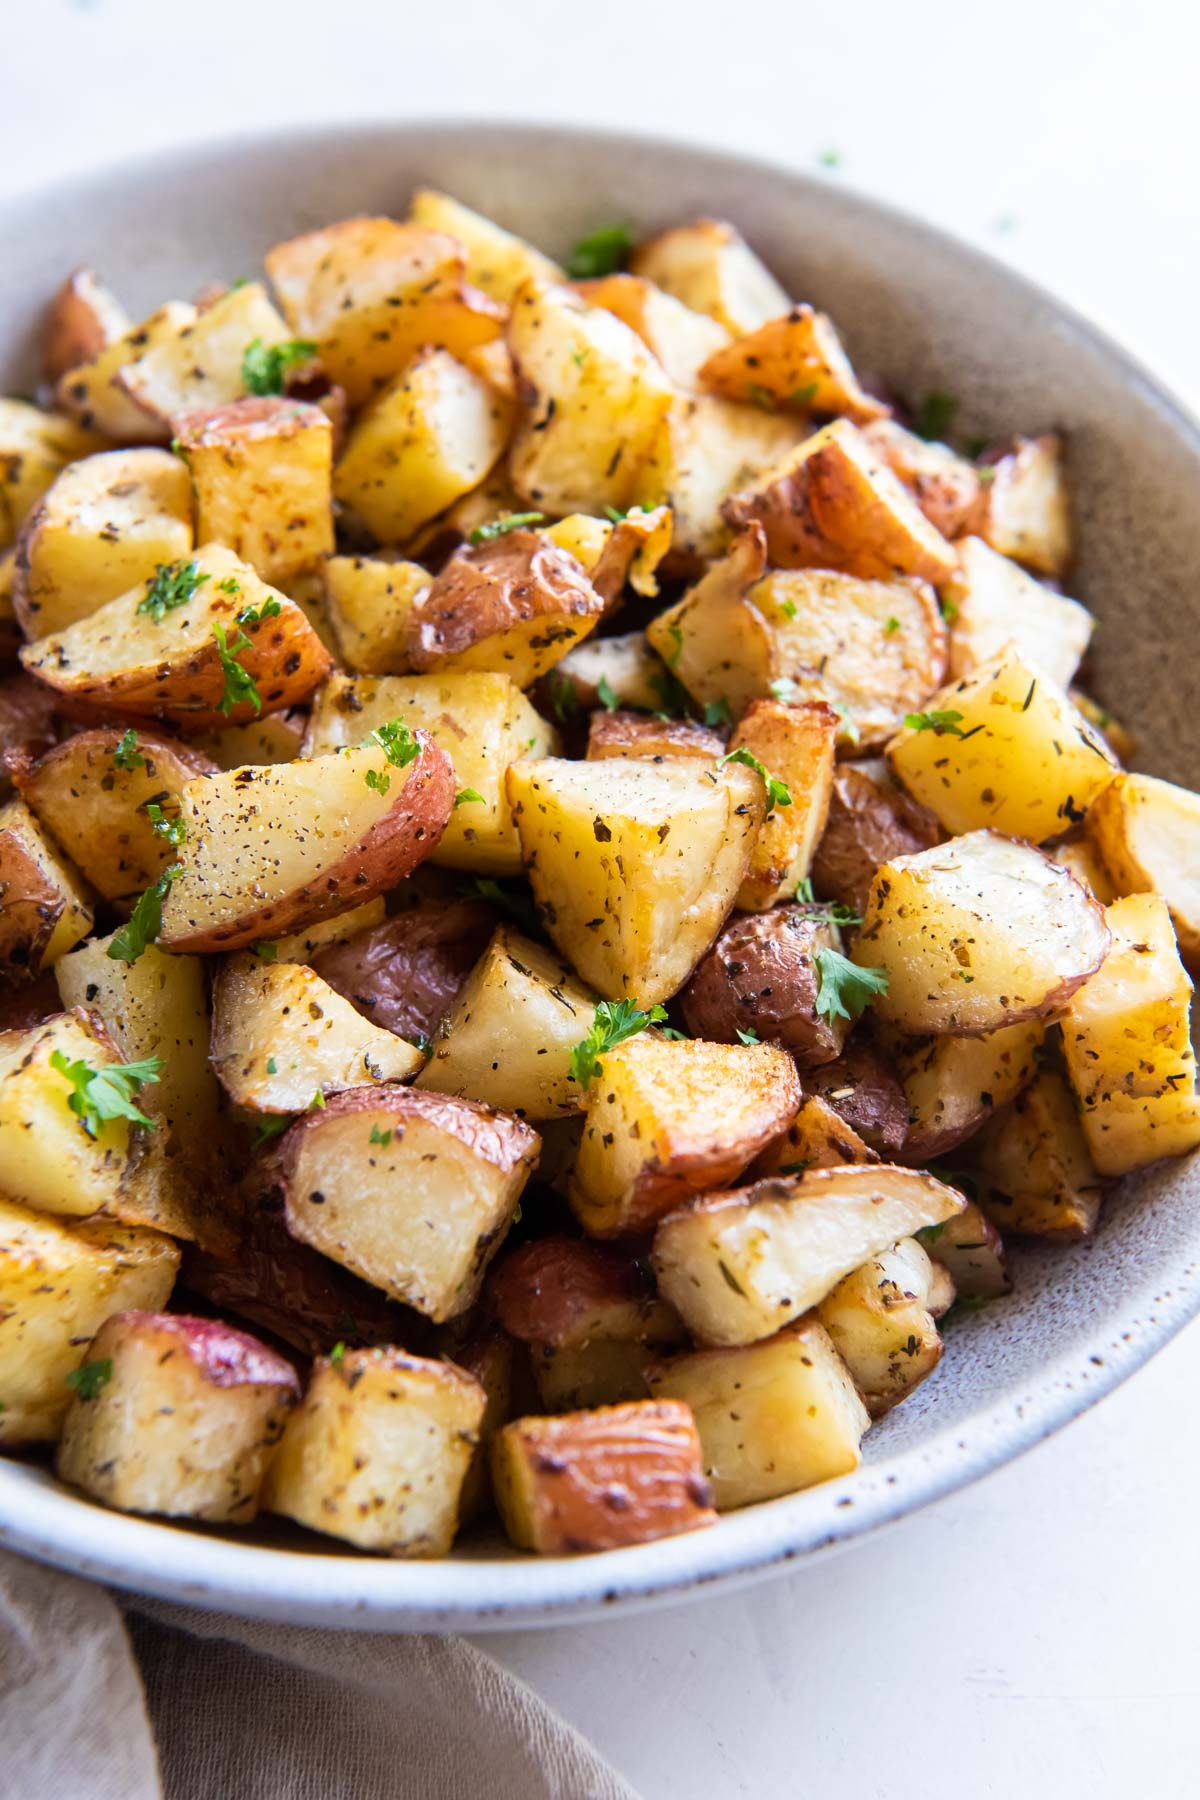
243, 1711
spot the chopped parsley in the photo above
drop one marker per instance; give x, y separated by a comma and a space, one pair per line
483, 534
892, 627
265, 366
254, 615
761, 397
935, 416
777, 793
966, 1303
468, 797
513, 901
564, 696
602, 252
173, 585
272, 1066
944, 723
127, 755
145, 921
747, 1037
804, 396
174, 831
605, 695
239, 683
400, 747
833, 910
337, 1353
613, 1022
266, 952
98, 1095
844, 990
271, 1125
717, 712
90, 1377
382, 1138
317, 1103
784, 689
675, 633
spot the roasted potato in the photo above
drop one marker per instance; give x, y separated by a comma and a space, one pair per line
93, 394
82, 320
274, 738
35, 447
710, 267
649, 739
944, 485
1023, 511
971, 1251
679, 338
817, 1138
1036, 1176
201, 362
880, 1324
715, 640
796, 361
370, 604
497, 261
796, 744
1144, 831
762, 977
633, 675
992, 602
863, 1088
871, 821
954, 1085
45, 907
708, 450
612, 552
405, 972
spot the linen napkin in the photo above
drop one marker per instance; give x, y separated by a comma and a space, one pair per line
165, 1703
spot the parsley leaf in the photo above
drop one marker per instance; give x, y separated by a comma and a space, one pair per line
784, 689
804, 396
468, 796
747, 1037
602, 252
675, 633
145, 922
777, 793
892, 627
127, 755
514, 901
382, 1138
239, 683
337, 1353
717, 712
833, 910
173, 830
271, 1125
399, 746
98, 1095
613, 1022
844, 990
605, 694
945, 723
266, 952
483, 534
173, 585
254, 615
935, 416
90, 1377
564, 695
265, 366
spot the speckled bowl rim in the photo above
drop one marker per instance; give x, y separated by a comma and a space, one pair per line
474, 1590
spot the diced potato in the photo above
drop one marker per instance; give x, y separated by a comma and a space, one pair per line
406, 972
94, 804
1120, 740
715, 640
1082, 859
796, 360
796, 744
497, 261
83, 318
710, 267
1003, 748
1125, 1038
871, 821
738, 1266
181, 1419
587, 438
432, 435
53, 1159
200, 363
1024, 510
372, 293
879, 1321
977, 933
166, 662
282, 1037
874, 650
507, 1039
1036, 1175
834, 503
709, 449
603, 1372
378, 1450
635, 676
597, 1480
773, 1417
58, 1282
817, 1138
412, 1191
370, 605
490, 1357
275, 738
669, 1118
517, 604
944, 485
992, 602
679, 338
1147, 832
971, 1252
45, 908
863, 1088
612, 553
955, 1084
480, 719
649, 739
35, 447
261, 472
634, 865
303, 946
101, 529
762, 976
93, 394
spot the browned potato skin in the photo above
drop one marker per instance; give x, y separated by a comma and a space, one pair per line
863, 1088
561, 1291
1024, 472
28, 724
485, 592
31, 1004
30, 908
635, 734
406, 973
82, 320
869, 823
761, 976
817, 1138
796, 360
601, 1479
944, 486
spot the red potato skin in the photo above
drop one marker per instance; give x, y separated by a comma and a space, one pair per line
408, 833
548, 1291
869, 824
31, 1004
499, 1138
634, 734
29, 910
28, 723
406, 973
761, 975
74, 331
489, 589
225, 1356
863, 1088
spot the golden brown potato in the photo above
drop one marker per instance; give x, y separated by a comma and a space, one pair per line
871, 821
881, 1326
817, 1138
667, 1119
516, 604
404, 973
634, 865
364, 1177
715, 640
92, 392
1120, 740
1036, 1176
679, 338
710, 267
82, 320
180, 1417
1024, 511
596, 1480
261, 474
863, 1088
269, 850
980, 932
10, 631
633, 674
954, 1085
708, 450
1125, 1039
1145, 831
649, 739
796, 745
101, 529
35, 447
971, 1251
944, 485
274, 738
155, 651
738, 1266
378, 1450
773, 1417
99, 795
761, 976
59, 1281
796, 361
992, 602
490, 1357
45, 907
370, 604
497, 261
201, 363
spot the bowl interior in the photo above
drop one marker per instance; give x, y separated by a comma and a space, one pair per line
929, 314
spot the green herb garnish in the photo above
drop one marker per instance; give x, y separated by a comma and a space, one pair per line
271, 1125
265, 366
145, 921
483, 534
173, 585
98, 1095
777, 793
747, 1037
602, 252
254, 615
717, 712
944, 723
935, 416
613, 1022
173, 830
239, 683
127, 755
90, 1377
468, 797
398, 745
382, 1138
844, 990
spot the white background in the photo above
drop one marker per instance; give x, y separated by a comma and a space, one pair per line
1037, 1634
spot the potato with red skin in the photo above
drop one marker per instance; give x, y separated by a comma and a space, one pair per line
1024, 510
943, 484
82, 320
954, 1085
601, 1479
870, 822
864, 1089
564, 1291
183, 1421
817, 1138
638, 735
29, 720
21, 1008
45, 906
796, 360
761, 976
406, 972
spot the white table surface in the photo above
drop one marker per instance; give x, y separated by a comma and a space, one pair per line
1036, 1634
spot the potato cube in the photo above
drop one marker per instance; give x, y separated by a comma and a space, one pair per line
274, 738
709, 449
763, 976
405, 972
1024, 511
971, 1252
370, 604
613, 553
93, 394
1004, 749
649, 739
412, 1191
796, 360
954, 1085
715, 640
817, 1138
1125, 1038
738, 1266
378, 1450
201, 363
710, 267
992, 602
669, 1118
879, 1321
45, 906
863, 1088
58, 1282
35, 447
980, 932
679, 338
944, 485
773, 1417
81, 320
497, 261
634, 674
1146, 832
796, 743
1036, 1175
598, 1480
871, 821
1080, 857
179, 1416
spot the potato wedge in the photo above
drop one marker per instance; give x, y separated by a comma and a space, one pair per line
269, 850
365, 1178
634, 865
679, 338
796, 743
93, 395
971, 1251
1080, 856
180, 1417
1024, 511
1003, 748
863, 1088
761, 977
796, 360
101, 529
944, 485
497, 261
274, 738
993, 602
370, 604
1125, 1040
709, 450
82, 320
871, 820
667, 1119
634, 675
954, 1085
597, 1480
480, 720
1145, 832
565, 1293
738, 1266
1036, 1175
715, 640
201, 363
404, 973
817, 1138
881, 1327
980, 932
649, 740
35, 447
45, 907
378, 1450
710, 267
59, 1281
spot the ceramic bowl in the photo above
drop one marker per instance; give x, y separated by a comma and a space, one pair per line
929, 314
